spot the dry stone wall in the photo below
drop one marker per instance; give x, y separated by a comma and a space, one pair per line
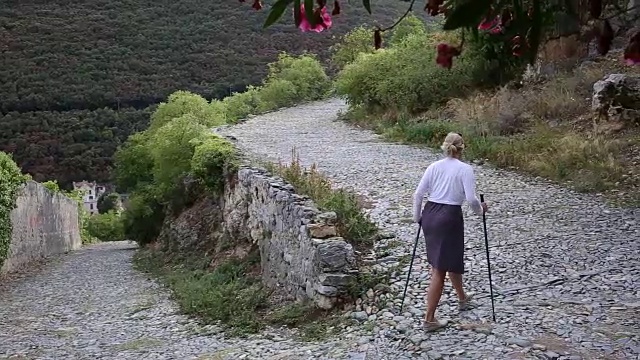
44, 223
301, 254
302, 258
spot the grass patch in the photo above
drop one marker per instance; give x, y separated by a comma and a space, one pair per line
231, 294
544, 130
353, 224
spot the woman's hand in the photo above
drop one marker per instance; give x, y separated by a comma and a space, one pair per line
485, 207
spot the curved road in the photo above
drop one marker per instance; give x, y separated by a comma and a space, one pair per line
565, 268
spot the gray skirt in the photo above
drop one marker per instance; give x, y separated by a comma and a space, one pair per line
443, 228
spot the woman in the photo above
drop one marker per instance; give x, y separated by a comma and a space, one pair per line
449, 182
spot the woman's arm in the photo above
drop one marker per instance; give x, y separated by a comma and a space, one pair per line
423, 187
469, 185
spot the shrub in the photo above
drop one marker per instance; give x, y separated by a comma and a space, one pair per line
350, 46
276, 94
239, 105
172, 149
142, 220
133, 163
220, 109
213, 158
536, 130
183, 102
108, 202
406, 78
52, 185
106, 227
305, 72
11, 178
410, 25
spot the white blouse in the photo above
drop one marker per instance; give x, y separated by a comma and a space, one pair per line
448, 181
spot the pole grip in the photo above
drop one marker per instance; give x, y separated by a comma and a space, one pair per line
481, 197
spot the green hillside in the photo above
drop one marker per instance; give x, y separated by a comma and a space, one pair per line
66, 63
68, 146
88, 54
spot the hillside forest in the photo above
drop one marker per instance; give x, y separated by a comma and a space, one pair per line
79, 77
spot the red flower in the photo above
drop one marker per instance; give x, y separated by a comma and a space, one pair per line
493, 26
323, 20
257, 4
445, 55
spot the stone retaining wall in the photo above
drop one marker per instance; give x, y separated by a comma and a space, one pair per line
301, 254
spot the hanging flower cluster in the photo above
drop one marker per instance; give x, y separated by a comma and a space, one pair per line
322, 20
494, 24
321, 17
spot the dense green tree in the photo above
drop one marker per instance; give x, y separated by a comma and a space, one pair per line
68, 146
108, 202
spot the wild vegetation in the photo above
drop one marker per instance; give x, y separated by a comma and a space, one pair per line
353, 225
120, 54
178, 148
78, 77
68, 146
544, 129
152, 164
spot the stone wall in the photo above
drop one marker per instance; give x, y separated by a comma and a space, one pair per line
44, 223
302, 258
301, 253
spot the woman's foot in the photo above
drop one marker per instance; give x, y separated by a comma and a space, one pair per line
434, 325
466, 304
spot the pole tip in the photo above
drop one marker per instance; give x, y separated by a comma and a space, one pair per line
482, 197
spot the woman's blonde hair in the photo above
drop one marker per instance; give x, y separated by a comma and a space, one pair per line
452, 144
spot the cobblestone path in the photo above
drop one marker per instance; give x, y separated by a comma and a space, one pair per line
565, 270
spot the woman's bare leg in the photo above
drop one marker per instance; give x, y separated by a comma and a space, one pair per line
434, 293
456, 281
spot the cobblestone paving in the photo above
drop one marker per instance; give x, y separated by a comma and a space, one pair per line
565, 272
565, 266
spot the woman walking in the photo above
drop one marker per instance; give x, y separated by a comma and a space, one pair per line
449, 182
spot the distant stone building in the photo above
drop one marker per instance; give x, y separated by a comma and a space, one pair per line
90, 194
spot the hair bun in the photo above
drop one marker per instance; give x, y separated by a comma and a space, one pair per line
452, 144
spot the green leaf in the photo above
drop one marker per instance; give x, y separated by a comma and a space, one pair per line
308, 11
466, 14
367, 5
276, 12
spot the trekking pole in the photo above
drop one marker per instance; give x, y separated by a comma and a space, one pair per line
486, 244
415, 246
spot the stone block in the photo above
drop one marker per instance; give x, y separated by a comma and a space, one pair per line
617, 97
322, 231
334, 255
